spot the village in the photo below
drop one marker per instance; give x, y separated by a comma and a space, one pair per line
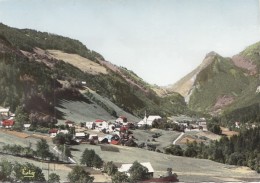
119, 132
110, 137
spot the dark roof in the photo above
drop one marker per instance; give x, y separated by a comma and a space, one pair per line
172, 178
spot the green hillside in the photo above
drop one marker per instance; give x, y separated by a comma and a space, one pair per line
29, 80
227, 87
220, 78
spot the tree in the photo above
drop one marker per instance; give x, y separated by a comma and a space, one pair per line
54, 178
5, 171
174, 150
191, 150
97, 161
42, 149
62, 138
20, 118
79, 175
110, 168
119, 177
87, 157
138, 172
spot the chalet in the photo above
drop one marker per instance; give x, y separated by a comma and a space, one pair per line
7, 123
90, 125
148, 121
4, 111
180, 123
80, 135
70, 123
101, 124
53, 132
125, 168
202, 122
121, 119
63, 131
93, 137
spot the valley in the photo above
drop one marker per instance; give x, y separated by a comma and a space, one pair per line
57, 91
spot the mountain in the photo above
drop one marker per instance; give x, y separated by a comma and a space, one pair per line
51, 75
224, 85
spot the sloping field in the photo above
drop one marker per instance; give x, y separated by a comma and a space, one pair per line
118, 110
79, 111
166, 138
188, 169
80, 62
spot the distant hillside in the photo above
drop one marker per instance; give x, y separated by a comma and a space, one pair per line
48, 68
184, 85
224, 85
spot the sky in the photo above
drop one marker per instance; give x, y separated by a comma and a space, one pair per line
160, 40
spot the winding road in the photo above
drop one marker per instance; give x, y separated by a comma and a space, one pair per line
178, 138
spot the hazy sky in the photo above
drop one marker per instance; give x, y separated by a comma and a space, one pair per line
160, 40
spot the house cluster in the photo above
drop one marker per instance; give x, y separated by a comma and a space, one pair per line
189, 122
113, 132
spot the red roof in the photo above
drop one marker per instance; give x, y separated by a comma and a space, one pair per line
99, 120
114, 142
69, 122
8, 122
122, 117
123, 128
53, 130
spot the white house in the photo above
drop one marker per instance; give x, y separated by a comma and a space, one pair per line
101, 124
258, 89
80, 135
26, 126
125, 168
63, 131
148, 121
4, 111
184, 123
89, 124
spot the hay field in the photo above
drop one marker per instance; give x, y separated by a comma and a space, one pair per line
78, 61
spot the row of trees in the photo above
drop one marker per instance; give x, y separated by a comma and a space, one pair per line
42, 151
242, 149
